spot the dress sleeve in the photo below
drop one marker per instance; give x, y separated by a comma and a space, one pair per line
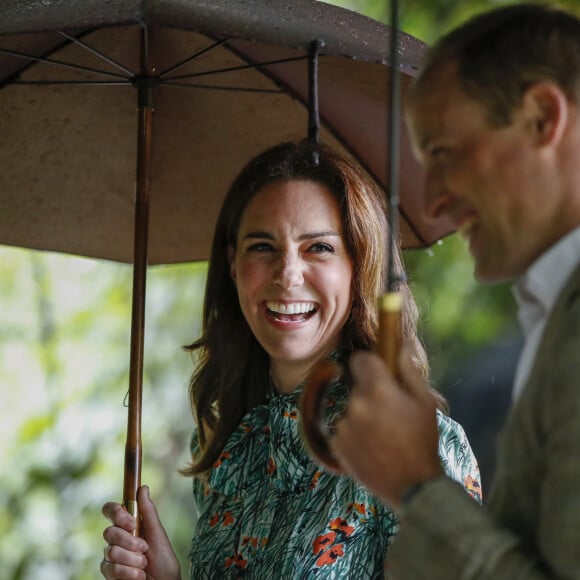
457, 458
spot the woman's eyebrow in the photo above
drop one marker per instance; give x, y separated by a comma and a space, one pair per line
306, 236
323, 234
260, 235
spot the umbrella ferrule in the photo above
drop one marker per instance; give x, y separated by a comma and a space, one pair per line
145, 86
313, 110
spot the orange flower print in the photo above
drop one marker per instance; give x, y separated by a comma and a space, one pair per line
228, 519
236, 560
250, 540
271, 466
291, 414
473, 487
358, 507
254, 542
322, 542
225, 455
330, 556
315, 479
341, 525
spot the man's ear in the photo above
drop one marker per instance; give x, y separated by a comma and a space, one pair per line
546, 108
231, 253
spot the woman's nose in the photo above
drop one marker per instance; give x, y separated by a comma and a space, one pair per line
289, 272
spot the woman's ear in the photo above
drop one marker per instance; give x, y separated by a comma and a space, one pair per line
231, 253
546, 108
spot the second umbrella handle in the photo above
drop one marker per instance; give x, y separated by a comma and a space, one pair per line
312, 400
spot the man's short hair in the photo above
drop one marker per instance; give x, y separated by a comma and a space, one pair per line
501, 53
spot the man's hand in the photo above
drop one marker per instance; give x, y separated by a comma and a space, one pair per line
388, 438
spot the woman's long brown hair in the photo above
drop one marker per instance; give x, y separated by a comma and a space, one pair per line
232, 374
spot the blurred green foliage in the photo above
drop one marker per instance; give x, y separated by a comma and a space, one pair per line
429, 19
64, 349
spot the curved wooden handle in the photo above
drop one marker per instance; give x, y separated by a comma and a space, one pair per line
311, 404
388, 348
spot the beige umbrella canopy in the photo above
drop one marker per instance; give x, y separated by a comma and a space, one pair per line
68, 151
112, 111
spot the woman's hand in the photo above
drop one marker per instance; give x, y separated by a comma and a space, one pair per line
150, 557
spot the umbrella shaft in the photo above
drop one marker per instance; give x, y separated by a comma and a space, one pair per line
132, 476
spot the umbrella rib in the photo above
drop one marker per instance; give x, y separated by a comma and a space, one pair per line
98, 53
60, 63
119, 83
221, 88
237, 68
345, 143
192, 57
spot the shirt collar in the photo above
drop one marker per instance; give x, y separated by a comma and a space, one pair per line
537, 290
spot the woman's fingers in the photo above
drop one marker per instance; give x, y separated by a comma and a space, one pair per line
119, 516
131, 557
124, 556
117, 538
114, 571
117, 555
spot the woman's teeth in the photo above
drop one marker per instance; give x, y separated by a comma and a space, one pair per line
294, 312
293, 308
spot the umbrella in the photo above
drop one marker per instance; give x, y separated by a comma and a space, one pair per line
114, 110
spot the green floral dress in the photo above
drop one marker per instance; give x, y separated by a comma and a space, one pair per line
267, 511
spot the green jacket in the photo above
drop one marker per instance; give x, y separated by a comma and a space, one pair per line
530, 529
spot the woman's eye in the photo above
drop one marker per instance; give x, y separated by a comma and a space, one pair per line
320, 247
260, 247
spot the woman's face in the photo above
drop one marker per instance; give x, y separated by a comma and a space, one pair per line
293, 274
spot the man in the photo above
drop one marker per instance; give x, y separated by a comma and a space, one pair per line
495, 120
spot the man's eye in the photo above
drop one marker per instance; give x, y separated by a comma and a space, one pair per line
320, 247
439, 153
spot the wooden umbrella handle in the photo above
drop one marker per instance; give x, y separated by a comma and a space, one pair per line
311, 402
389, 333
312, 416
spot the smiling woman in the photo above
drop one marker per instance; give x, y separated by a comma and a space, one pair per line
298, 260
293, 274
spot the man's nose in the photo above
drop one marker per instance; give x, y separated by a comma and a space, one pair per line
289, 271
439, 199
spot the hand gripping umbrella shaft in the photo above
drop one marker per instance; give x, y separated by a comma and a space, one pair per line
389, 304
